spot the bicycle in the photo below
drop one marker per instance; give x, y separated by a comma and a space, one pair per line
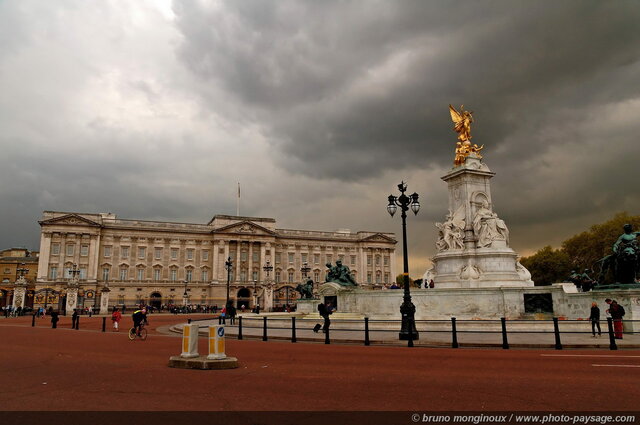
142, 333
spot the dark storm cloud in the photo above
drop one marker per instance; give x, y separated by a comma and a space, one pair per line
309, 69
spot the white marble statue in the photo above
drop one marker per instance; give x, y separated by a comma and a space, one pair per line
488, 227
450, 233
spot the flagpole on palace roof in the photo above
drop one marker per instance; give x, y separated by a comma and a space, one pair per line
238, 201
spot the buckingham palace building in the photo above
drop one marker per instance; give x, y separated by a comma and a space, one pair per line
166, 263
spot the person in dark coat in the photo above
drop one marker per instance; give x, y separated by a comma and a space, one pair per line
617, 312
595, 319
325, 311
54, 318
74, 318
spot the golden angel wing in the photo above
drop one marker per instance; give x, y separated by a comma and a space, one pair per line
455, 115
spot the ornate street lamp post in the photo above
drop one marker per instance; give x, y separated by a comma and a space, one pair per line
74, 272
268, 268
305, 269
268, 288
228, 265
184, 295
407, 309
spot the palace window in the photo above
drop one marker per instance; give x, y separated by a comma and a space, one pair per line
205, 255
189, 254
369, 258
156, 273
174, 253
158, 253
243, 256
277, 278
83, 273
84, 250
353, 260
316, 258
386, 278
107, 251
70, 249
53, 272
304, 258
329, 258
378, 277
290, 277
55, 249
377, 260
174, 275
140, 274
124, 272
291, 258
105, 273
369, 277
205, 275
386, 261
256, 256
124, 252
255, 275
243, 275
142, 252
316, 276
189, 275
278, 258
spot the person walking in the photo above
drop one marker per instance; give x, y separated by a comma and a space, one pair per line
595, 319
90, 310
232, 315
324, 311
116, 316
74, 318
54, 318
617, 312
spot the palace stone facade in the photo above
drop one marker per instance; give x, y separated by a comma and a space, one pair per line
157, 262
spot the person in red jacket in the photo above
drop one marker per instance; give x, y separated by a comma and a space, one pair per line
116, 316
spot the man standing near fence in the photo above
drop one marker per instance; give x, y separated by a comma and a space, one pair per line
617, 312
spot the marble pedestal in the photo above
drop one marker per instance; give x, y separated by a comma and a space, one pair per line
473, 244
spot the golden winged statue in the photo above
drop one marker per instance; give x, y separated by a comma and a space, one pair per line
462, 125
462, 121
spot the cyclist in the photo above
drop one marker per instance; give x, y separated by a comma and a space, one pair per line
139, 316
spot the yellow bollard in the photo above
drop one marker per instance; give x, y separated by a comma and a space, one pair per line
216, 343
189, 341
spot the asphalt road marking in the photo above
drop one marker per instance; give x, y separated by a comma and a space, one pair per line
616, 365
586, 355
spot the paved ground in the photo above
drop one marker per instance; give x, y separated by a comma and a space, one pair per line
64, 369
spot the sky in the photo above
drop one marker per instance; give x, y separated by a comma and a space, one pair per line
157, 109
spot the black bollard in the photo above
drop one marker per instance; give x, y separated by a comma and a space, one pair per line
188, 321
293, 329
366, 331
556, 331
240, 327
33, 320
264, 328
326, 337
505, 343
454, 333
104, 324
612, 339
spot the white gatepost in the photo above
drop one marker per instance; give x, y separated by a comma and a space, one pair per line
216, 343
104, 300
190, 341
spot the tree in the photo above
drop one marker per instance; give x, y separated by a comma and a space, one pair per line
400, 280
548, 266
579, 252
